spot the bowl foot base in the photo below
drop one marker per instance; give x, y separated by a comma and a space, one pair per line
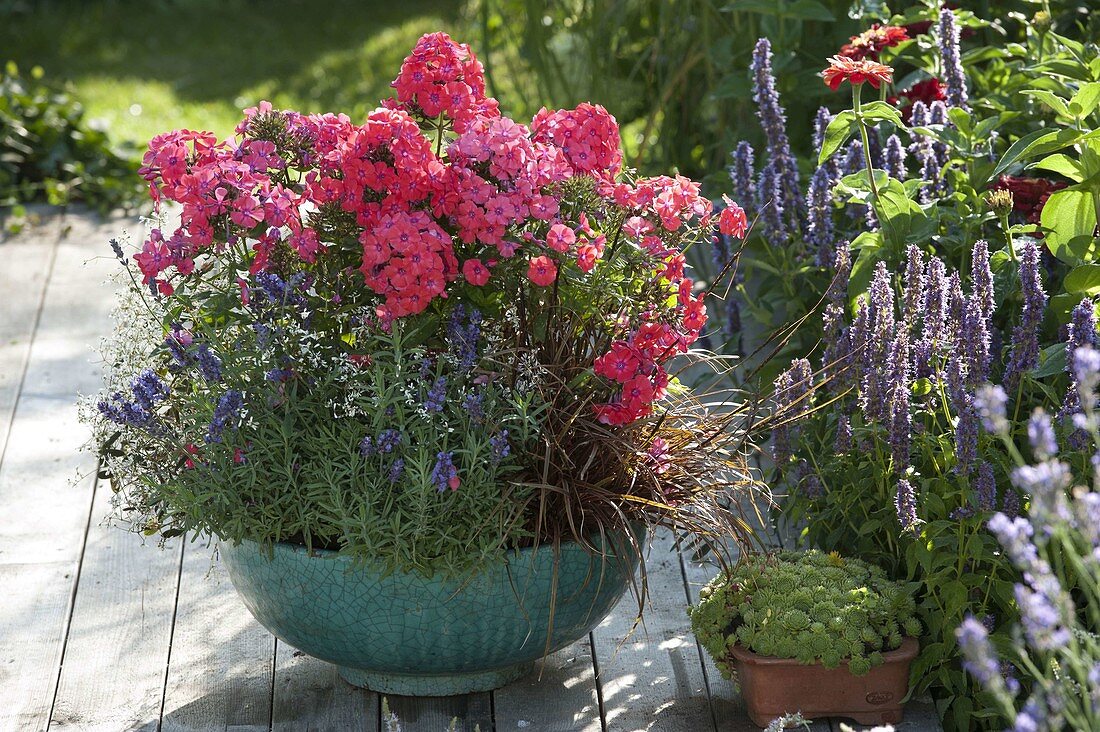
434, 684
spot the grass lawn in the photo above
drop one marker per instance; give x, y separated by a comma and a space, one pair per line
147, 66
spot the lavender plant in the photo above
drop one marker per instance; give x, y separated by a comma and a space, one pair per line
1047, 673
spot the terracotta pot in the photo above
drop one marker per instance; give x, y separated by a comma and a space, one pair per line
772, 687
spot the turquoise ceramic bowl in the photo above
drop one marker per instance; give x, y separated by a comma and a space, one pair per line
411, 635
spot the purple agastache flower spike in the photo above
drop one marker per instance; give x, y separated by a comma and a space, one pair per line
922, 360
875, 146
1024, 350
954, 77
894, 158
743, 175
981, 278
842, 267
790, 388
913, 297
769, 195
853, 159
979, 658
936, 301
811, 486
819, 217
974, 343
1040, 435
900, 424
956, 307
880, 316
773, 120
821, 123
966, 438
905, 504
1010, 503
937, 115
843, 441
837, 348
985, 488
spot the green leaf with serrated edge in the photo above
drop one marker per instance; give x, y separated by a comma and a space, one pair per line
882, 111
1084, 279
1050, 99
1086, 99
1052, 360
1069, 216
1061, 164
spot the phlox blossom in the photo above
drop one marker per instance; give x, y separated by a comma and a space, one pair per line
542, 271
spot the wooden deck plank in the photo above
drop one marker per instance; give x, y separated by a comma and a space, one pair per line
434, 714
39, 558
117, 653
221, 669
311, 697
560, 696
654, 679
27, 263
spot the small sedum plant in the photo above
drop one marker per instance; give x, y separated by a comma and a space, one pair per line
811, 606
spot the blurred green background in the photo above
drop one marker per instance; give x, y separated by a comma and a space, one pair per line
674, 72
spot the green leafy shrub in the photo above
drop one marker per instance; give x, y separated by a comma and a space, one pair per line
811, 606
49, 152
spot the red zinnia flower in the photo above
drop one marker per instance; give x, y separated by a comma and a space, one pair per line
845, 69
871, 42
927, 91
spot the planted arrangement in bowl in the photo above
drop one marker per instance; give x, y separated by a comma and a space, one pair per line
813, 633
418, 374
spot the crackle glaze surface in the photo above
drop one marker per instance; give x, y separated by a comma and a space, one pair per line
407, 634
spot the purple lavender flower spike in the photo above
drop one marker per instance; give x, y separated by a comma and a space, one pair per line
954, 77
819, 217
1046, 483
773, 120
148, 389
985, 488
1040, 434
366, 446
990, 401
1044, 624
842, 265
743, 176
499, 444
444, 471
1081, 333
979, 658
937, 114
227, 411
1014, 534
894, 158
209, 364
437, 395
905, 504
1024, 350
389, 440
397, 469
